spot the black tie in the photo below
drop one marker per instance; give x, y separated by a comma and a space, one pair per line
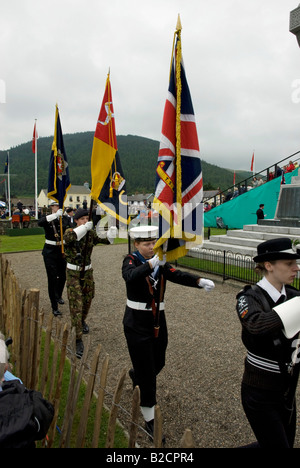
281, 299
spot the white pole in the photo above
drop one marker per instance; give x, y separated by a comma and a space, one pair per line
35, 160
8, 180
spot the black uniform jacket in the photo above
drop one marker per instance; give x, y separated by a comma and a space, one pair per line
137, 276
262, 335
52, 233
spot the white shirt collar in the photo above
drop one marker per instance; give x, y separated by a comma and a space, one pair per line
271, 290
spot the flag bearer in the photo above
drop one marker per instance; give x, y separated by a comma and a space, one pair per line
54, 260
270, 316
144, 323
80, 281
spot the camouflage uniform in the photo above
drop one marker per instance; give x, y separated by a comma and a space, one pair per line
80, 292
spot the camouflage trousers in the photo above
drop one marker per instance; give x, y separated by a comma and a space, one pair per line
80, 295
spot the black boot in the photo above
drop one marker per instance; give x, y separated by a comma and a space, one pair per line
56, 313
85, 328
149, 426
79, 348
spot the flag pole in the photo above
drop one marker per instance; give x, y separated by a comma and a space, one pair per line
178, 226
82, 271
35, 171
62, 207
8, 183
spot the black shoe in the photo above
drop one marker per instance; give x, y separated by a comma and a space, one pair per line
56, 313
79, 349
85, 328
61, 301
149, 426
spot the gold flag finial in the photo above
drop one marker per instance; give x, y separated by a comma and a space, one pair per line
178, 26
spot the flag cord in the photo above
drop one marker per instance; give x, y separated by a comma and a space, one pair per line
178, 133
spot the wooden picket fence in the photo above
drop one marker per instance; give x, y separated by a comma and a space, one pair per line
38, 355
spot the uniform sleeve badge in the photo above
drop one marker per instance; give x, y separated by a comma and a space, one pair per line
242, 306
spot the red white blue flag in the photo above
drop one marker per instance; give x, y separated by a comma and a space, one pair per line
179, 183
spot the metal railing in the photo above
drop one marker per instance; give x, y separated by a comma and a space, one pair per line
220, 197
224, 263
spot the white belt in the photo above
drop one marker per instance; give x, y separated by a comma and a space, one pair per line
77, 267
143, 305
50, 242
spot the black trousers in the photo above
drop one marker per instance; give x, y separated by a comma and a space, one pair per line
56, 273
148, 358
273, 424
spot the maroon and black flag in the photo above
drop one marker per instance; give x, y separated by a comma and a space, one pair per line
179, 183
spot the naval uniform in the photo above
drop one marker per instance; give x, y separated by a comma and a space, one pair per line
147, 352
267, 372
54, 260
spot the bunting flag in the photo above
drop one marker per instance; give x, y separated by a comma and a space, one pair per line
108, 181
179, 183
252, 163
34, 139
58, 180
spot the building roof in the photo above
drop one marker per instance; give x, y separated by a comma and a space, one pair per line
209, 194
27, 201
78, 189
140, 196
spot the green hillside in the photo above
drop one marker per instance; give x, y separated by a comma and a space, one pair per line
138, 156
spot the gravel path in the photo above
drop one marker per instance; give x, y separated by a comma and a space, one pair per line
199, 388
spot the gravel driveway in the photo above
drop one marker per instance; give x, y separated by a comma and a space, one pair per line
199, 388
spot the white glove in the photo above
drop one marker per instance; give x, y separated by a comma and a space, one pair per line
81, 231
207, 284
112, 234
154, 261
89, 225
53, 216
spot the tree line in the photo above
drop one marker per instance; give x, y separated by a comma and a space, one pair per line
138, 157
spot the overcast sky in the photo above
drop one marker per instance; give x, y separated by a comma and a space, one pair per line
241, 61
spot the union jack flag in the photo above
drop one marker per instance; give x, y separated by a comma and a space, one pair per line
179, 183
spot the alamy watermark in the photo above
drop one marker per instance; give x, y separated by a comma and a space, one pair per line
187, 220
2, 92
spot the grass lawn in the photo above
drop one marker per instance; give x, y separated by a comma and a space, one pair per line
21, 243
26, 243
36, 242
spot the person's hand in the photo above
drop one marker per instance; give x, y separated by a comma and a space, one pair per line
89, 225
207, 284
154, 261
53, 216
